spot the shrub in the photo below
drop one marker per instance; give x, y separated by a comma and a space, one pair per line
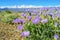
42, 31
8, 11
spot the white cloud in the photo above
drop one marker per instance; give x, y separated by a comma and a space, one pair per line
27, 6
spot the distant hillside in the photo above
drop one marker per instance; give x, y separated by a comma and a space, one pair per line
31, 9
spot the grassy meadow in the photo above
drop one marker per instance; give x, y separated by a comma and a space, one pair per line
36, 25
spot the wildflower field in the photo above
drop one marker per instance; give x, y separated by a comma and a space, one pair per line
41, 24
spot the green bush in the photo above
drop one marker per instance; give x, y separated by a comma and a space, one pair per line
42, 31
8, 11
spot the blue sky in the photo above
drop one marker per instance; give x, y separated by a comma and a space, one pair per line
29, 2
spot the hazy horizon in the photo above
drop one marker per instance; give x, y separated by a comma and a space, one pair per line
27, 6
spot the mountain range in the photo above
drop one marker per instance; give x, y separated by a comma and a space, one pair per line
25, 9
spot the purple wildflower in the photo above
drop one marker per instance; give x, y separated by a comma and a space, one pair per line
37, 17
16, 20
56, 36
56, 24
29, 17
44, 21
51, 14
58, 14
25, 34
20, 27
24, 15
22, 20
36, 20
